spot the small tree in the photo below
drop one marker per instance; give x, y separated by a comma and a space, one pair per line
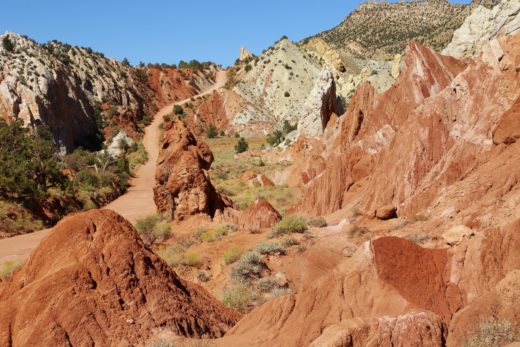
212, 131
275, 138
287, 127
7, 44
178, 110
125, 62
241, 145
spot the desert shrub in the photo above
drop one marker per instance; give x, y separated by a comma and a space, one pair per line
275, 138
356, 212
278, 292
248, 267
241, 145
212, 131
213, 235
287, 127
288, 225
192, 259
232, 255
8, 268
418, 238
203, 276
271, 249
137, 156
318, 222
358, 230
248, 67
291, 241
239, 298
153, 229
265, 285
287, 94
7, 44
167, 118
173, 255
494, 333
178, 110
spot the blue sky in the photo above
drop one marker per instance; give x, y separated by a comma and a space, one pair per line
168, 31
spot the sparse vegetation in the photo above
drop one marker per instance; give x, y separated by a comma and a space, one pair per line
153, 228
271, 249
318, 222
357, 230
232, 255
494, 332
212, 131
176, 255
248, 267
8, 268
178, 110
288, 225
240, 298
241, 146
7, 44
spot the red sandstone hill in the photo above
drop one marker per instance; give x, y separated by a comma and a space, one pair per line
92, 281
441, 141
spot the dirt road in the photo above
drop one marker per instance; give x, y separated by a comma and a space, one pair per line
137, 203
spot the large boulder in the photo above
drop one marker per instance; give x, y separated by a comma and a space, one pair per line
261, 214
92, 281
183, 187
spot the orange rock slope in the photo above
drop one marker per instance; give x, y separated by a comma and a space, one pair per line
440, 142
92, 281
393, 292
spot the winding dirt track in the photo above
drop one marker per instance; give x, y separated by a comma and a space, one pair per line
135, 204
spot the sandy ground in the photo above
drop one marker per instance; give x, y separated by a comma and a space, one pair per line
135, 204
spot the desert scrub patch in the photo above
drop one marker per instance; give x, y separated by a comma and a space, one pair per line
153, 228
212, 235
418, 238
494, 332
318, 222
137, 156
239, 298
176, 255
288, 225
8, 267
290, 241
266, 285
249, 267
358, 231
232, 255
274, 248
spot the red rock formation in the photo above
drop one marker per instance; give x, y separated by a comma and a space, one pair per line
92, 281
393, 292
211, 111
428, 138
261, 214
182, 184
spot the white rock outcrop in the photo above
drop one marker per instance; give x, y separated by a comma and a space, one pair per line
319, 106
484, 25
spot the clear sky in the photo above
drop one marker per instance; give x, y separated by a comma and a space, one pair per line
167, 31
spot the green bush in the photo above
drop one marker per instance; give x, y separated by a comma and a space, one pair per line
287, 94
290, 242
8, 268
494, 333
153, 229
7, 44
178, 110
232, 255
239, 298
271, 249
241, 145
318, 222
248, 267
288, 225
176, 255
212, 131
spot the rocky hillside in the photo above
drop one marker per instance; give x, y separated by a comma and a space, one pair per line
379, 30
79, 94
483, 25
